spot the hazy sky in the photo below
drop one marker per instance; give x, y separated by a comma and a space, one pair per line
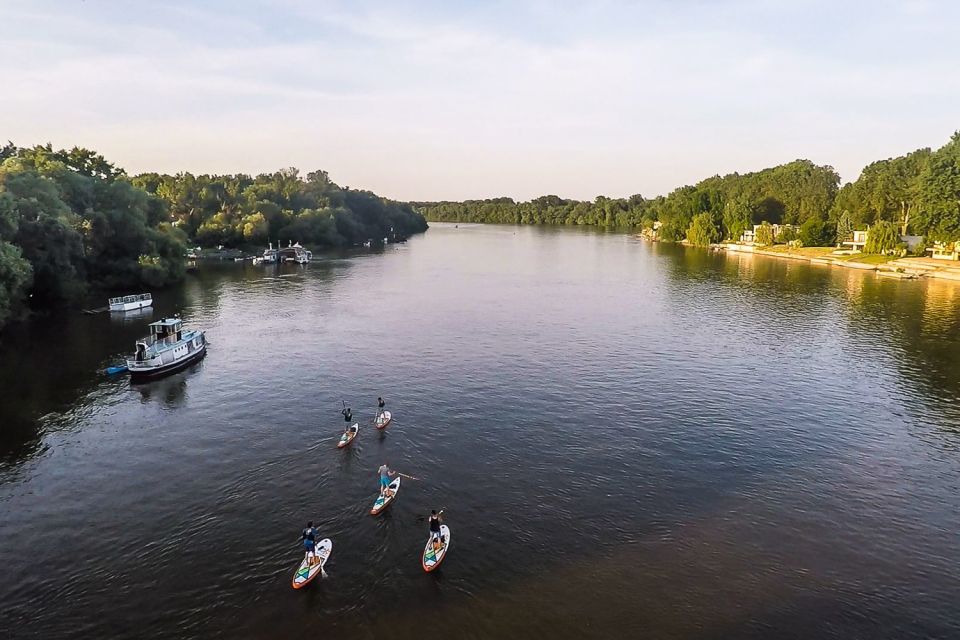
455, 100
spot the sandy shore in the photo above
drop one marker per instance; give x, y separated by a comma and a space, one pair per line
905, 268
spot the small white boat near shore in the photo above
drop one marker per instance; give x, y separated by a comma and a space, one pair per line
291, 253
129, 303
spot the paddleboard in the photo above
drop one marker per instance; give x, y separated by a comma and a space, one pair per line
306, 573
346, 439
383, 420
383, 502
433, 556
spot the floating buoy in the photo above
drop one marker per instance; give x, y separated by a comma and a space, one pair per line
115, 370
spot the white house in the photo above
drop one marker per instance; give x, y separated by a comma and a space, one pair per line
750, 236
858, 243
945, 251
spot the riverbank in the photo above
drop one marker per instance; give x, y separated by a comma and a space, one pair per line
888, 266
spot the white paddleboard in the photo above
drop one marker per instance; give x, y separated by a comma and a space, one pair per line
432, 555
346, 439
307, 572
382, 502
383, 420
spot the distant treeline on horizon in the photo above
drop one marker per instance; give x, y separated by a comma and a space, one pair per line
919, 191
70, 221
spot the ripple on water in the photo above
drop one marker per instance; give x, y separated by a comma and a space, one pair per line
627, 439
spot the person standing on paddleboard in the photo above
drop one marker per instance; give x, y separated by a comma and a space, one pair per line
347, 416
380, 404
435, 522
309, 537
385, 474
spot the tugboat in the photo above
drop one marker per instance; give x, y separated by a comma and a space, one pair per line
166, 350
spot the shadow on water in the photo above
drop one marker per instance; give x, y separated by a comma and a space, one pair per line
171, 391
54, 364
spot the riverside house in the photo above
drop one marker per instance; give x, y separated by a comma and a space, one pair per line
945, 251
858, 243
750, 235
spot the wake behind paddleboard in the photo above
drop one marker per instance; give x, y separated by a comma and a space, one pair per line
346, 439
383, 420
434, 554
307, 572
382, 502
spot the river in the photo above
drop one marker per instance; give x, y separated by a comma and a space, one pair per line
628, 440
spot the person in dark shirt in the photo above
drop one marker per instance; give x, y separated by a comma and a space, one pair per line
435, 535
309, 538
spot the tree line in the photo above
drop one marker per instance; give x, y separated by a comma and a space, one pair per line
918, 193
70, 221
241, 210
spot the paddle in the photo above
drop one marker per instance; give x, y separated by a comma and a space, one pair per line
406, 476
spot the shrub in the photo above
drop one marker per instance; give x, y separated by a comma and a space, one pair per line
882, 238
817, 233
787, 236
702, 231
764, 234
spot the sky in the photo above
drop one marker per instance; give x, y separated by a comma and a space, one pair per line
460, 100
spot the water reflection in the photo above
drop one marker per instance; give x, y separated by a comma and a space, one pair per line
134, 315
170, 392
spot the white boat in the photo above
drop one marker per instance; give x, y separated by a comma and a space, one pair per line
269, 255
294, 253
166, 350
129, 303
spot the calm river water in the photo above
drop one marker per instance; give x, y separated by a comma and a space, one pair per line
629, 440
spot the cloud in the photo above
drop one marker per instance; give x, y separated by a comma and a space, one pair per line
452, 100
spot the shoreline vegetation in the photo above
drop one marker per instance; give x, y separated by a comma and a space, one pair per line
904, 205
71, 222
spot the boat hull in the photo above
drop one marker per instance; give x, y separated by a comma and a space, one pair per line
145, 375
130, 306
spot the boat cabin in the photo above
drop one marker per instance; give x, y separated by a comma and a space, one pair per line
167, 330
163, 332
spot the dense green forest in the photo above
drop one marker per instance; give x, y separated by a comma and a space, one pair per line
919, 192
71, 221
240, 210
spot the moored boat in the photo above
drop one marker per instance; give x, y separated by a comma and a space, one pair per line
294, 253
269, 255
166, 350
129, 303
